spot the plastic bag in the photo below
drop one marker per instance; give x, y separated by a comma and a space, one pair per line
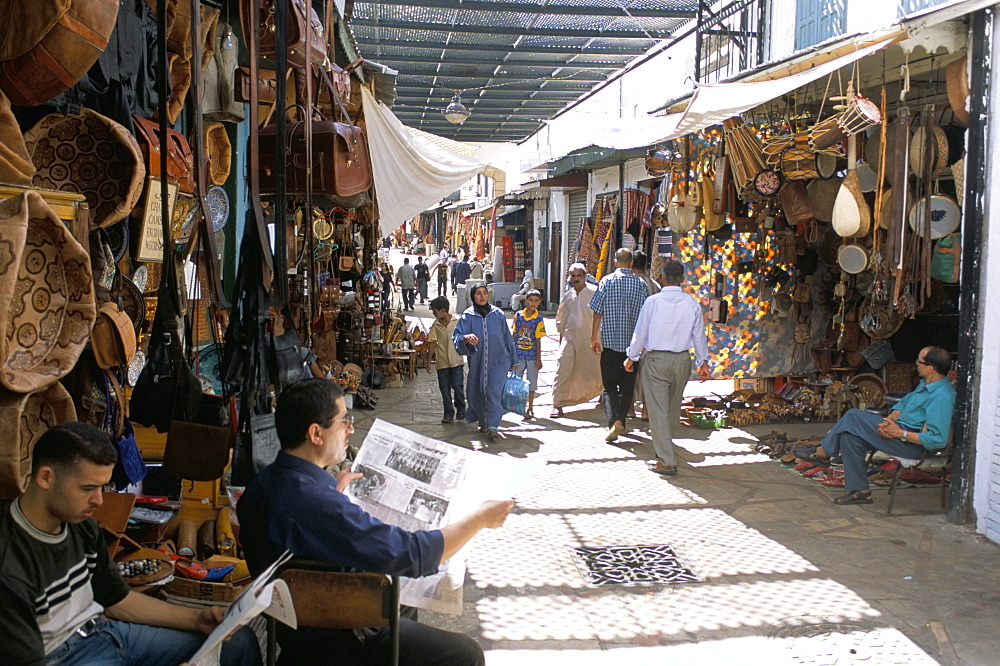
515, 394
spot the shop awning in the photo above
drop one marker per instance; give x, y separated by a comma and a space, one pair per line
411, 173
713, 103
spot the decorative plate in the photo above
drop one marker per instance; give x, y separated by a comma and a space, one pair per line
118, 238
871, 386
140, 277
135, 367
218, 207
185, 213
210, 366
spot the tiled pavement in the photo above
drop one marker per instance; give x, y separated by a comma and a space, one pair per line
788, 577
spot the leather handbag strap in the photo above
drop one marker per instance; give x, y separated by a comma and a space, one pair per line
253, 165
201, 169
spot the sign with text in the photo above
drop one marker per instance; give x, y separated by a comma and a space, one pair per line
150, 244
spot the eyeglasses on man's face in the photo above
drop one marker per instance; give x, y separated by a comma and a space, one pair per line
349, 420
921, 361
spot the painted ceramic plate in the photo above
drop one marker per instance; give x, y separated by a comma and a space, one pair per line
218, 207
135, 367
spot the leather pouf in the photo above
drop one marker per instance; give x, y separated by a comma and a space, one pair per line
92, 155
46, 295
23, 419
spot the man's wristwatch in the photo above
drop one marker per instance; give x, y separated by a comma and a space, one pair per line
902, 436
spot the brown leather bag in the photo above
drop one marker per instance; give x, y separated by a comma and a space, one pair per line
267, 86
341, 164
180, 163
49, 48
113, 337
300, 28
794, 201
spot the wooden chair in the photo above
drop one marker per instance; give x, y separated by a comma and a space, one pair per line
929, 461
325, 598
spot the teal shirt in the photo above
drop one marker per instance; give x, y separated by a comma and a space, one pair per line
929, 405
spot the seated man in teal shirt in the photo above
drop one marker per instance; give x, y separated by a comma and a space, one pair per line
920, 421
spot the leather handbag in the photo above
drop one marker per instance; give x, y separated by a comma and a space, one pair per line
267, 86
341, 164
301, 26
113, 337
196, 451
49, 45
180, 162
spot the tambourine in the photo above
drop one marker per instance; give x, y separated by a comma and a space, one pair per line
860, 114
946, 216
852, 259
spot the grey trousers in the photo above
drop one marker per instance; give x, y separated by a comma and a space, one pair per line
664, 376
854, 435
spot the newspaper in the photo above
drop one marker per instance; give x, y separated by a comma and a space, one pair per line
262, 596
421, 483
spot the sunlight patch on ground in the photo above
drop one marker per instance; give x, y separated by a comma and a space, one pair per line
713, 542
631, 614
605, 484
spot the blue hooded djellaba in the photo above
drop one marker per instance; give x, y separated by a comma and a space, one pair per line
489, 362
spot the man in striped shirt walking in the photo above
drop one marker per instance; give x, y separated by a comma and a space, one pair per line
616, 306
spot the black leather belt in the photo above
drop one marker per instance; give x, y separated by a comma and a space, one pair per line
87, 628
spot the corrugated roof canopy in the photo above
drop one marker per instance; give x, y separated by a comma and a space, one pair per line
514, 62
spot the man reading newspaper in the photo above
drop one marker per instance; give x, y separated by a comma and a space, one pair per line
295, 505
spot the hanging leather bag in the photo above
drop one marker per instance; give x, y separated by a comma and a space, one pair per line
341, 166
303, 23
180, 162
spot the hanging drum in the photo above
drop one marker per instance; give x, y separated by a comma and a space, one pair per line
822, 196
826, 165
660, 161
939, 152
774, 147
852, 259
946, 216
799, 163
860, 114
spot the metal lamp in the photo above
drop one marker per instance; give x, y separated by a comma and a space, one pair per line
456, 113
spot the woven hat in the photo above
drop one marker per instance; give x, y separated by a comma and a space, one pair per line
220, 153
46, 295
23, 419
92, 155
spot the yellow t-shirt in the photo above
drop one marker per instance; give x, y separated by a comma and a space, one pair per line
446, 355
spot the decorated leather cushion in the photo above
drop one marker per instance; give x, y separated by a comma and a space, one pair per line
46, 295
23, 419
220, 153
92, 155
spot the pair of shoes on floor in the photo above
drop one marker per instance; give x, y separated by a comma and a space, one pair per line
663, 470
528, 415
808, 454
854, 497
614, 431
447, 419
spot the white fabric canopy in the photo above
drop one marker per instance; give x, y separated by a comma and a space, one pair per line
714, 102
411, 173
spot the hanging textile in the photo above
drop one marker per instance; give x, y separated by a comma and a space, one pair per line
606, 237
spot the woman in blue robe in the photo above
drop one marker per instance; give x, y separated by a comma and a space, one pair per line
483, 334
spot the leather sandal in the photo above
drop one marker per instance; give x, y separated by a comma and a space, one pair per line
854, 497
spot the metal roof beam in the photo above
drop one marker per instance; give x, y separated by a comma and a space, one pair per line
527, 49
580, 77
550, 86
390, 24
448, 60
552, 10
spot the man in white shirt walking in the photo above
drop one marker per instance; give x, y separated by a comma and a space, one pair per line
670, 323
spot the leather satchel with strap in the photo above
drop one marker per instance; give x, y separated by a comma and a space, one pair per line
305, 32
180, 163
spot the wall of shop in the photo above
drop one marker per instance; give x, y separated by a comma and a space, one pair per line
986, 487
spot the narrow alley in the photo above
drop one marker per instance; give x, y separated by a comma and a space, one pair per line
786, 576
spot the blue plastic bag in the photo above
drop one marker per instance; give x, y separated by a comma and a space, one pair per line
515, 394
